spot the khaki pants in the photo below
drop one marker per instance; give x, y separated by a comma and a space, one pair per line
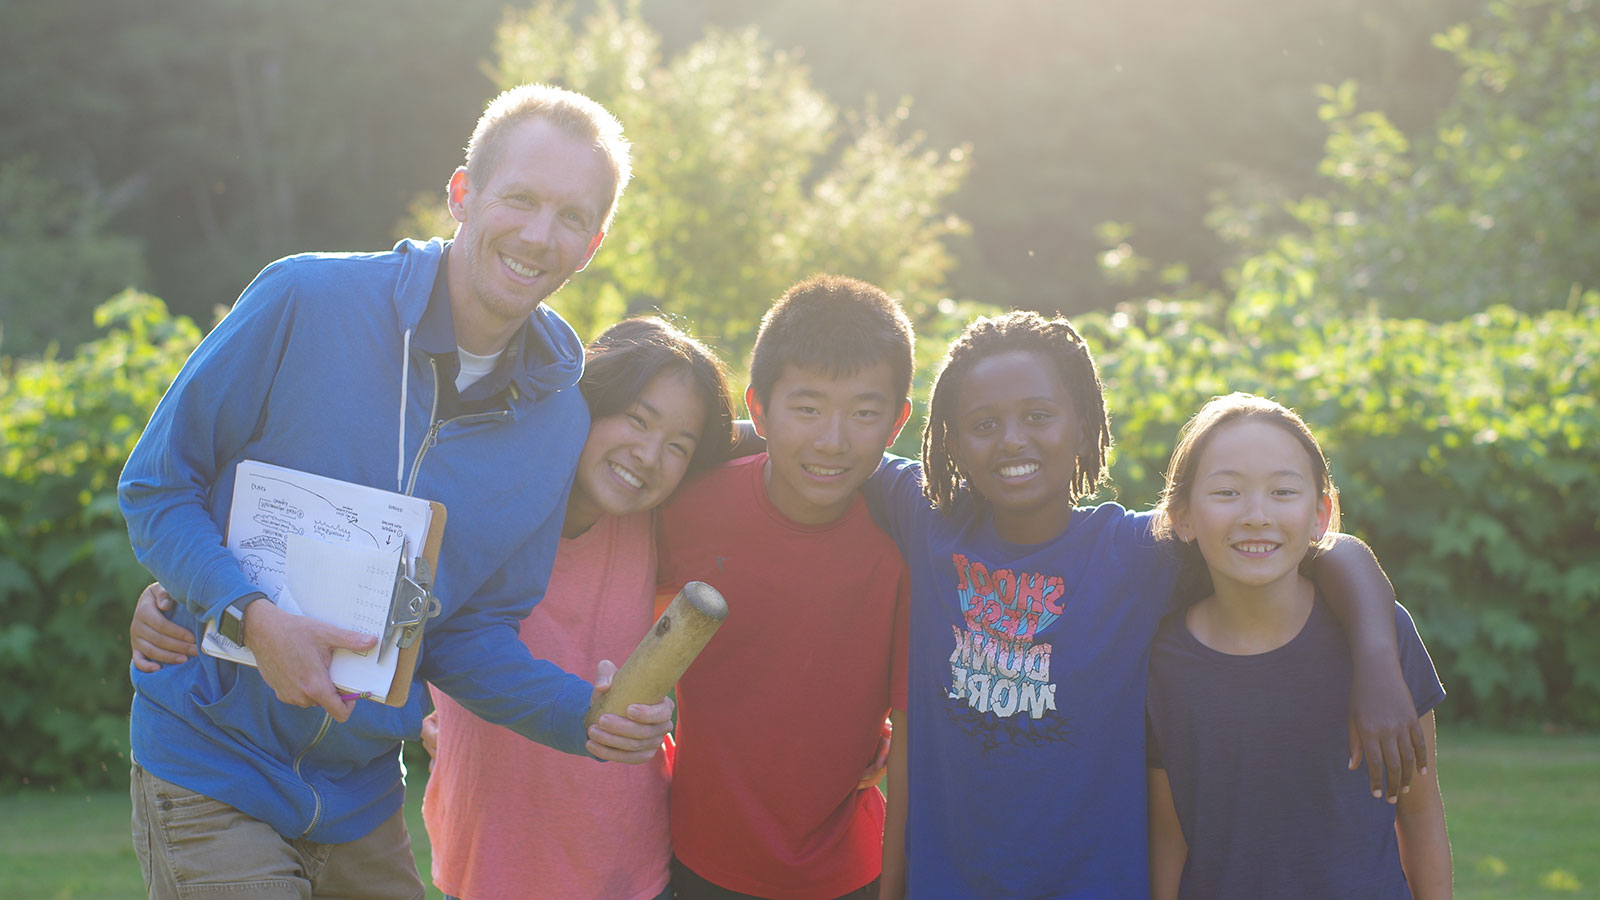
190, 845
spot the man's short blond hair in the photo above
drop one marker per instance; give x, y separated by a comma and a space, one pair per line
572, 112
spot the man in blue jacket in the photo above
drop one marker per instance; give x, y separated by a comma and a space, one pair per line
433, 369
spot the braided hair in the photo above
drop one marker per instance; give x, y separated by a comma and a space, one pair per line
1054, 342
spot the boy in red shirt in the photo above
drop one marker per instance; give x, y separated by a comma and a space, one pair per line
780, 713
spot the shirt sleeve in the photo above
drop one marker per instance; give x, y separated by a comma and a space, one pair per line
202, 423
476, 655
1152, 746
1416, 665
1137, 543
894, 497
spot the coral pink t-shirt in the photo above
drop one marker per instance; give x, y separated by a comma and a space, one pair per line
509, 818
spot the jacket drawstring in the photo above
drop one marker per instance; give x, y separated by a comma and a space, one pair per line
400, 457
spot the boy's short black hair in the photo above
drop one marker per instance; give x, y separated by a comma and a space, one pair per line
833, 324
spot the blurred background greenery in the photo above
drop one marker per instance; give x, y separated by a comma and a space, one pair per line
177, 145
1385, 213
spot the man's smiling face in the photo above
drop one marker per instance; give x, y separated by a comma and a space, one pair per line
532, 222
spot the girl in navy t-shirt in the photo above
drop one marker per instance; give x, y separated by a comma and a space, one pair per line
1249, 793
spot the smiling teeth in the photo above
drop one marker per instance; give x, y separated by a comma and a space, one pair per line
822, 471
1018, 470
521, 269
629, 478
1255, 548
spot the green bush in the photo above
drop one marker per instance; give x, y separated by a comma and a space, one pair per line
67, 573
1495, 206
1467, 453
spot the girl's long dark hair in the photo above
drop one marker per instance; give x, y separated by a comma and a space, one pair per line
625, 358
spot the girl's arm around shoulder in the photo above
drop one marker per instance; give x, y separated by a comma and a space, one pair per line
1420, 827
892, 882
1383, 725
1168, 850
894, 496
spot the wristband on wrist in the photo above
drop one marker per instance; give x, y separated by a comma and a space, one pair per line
231, 622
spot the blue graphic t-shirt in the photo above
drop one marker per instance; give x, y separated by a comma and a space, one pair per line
1026, 698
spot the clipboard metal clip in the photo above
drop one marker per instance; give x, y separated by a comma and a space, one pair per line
413, 603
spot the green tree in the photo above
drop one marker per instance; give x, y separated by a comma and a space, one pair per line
1136, 111
231, 132
1499, 205
746, 178
57, 258
1467, 454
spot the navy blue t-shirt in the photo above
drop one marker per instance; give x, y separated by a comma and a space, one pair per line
1255, 749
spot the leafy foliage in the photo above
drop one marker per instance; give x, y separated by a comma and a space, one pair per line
67, 574
1465, 447
225, 133
747, 180
57, 258
1466, 453
238, 131
1136, 111
1499, 204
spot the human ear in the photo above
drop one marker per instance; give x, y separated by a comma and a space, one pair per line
1180, 523
456, 194
1324, 514
589, 253
899, 423
758, 416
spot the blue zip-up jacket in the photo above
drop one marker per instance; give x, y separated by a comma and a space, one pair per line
306, 372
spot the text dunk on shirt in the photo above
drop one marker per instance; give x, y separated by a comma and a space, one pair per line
997, 668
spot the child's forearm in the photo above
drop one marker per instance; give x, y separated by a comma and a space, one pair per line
1383, 718
892, 882
1420, 828
1168, 850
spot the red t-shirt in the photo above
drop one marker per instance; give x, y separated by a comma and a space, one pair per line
783, 710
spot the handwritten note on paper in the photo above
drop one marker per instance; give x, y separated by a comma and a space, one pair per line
274, 508
349, 586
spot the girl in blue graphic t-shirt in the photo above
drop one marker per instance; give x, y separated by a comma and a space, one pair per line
1247, 796
1031, 621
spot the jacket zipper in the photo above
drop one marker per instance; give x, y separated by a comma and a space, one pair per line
327, 718
433, 429
411, 485
316, 810
432, 438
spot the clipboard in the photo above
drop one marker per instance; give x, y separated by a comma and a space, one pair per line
287, 526
413, 605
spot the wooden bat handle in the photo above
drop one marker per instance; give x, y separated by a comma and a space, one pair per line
665, 652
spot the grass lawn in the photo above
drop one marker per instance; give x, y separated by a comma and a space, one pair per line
1524, 813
